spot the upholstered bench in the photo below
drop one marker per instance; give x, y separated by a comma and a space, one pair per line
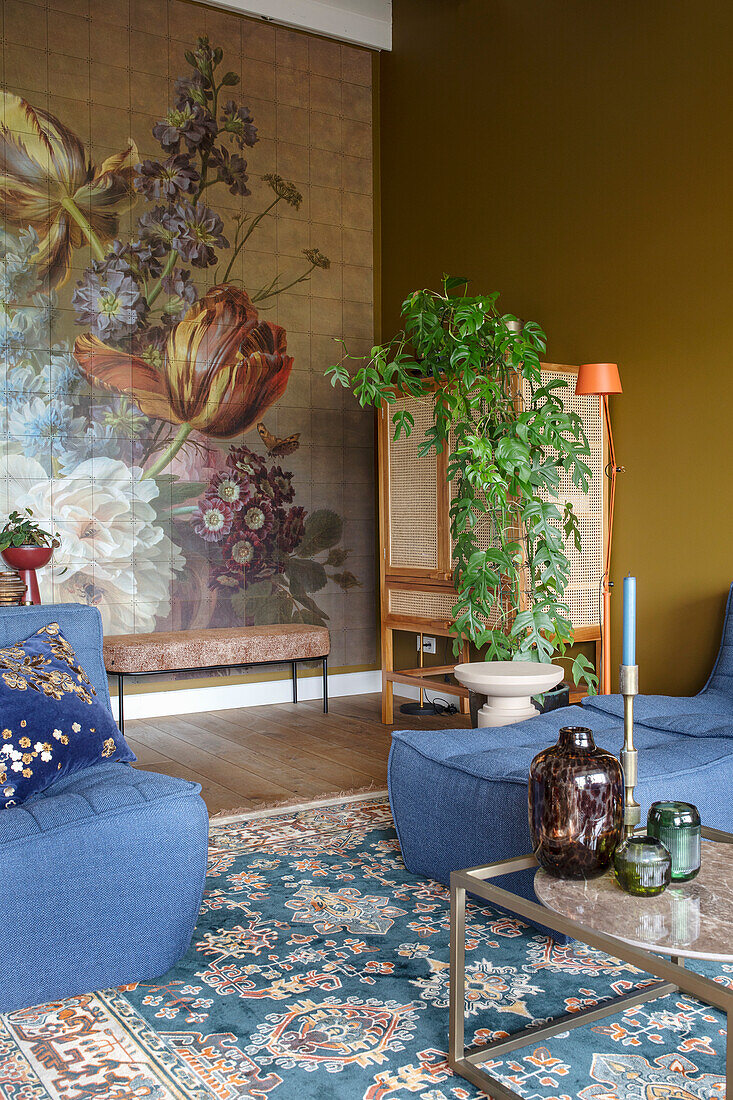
216, 650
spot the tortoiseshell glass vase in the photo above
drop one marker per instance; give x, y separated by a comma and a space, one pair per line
576, 800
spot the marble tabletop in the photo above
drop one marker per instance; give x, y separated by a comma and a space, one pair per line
690, 919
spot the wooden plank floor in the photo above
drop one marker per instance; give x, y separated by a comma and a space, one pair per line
257, 756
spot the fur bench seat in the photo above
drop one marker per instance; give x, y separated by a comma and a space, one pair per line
194, 649
216, 649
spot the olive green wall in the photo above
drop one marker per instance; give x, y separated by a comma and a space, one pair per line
578, 157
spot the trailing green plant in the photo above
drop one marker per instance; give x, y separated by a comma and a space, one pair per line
507, 449
22, 530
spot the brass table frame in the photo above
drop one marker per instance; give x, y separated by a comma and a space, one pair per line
672, 975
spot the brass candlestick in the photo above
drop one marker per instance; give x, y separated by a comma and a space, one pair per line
629, 677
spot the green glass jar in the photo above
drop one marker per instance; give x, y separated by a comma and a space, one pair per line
677, 825
643, 866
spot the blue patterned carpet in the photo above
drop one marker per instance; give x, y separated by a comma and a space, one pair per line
319, 971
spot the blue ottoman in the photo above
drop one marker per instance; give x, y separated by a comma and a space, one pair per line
103, 876
103, 872
459, 797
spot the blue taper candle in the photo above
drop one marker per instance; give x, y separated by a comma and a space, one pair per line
629, 652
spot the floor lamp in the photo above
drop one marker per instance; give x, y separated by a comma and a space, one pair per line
601, 380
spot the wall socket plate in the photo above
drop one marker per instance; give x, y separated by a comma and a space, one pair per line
428, 644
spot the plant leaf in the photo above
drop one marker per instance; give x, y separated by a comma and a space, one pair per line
305, 575
323, 529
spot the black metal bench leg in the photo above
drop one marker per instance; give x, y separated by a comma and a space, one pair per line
294, 667
325, 685
120, 705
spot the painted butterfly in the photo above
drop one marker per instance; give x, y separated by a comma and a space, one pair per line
279, 448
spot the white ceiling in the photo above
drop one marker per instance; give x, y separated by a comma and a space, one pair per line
365, 22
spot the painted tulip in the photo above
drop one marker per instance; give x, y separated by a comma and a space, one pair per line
222, 368
47, 182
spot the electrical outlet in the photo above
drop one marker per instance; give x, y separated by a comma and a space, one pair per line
428, 644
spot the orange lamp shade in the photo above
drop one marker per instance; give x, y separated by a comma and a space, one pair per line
598, 378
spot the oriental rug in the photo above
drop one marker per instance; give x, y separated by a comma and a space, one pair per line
319, 971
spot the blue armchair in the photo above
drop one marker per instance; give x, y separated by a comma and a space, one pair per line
459, 797
103, 873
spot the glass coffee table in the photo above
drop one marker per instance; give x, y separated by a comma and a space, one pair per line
692, 920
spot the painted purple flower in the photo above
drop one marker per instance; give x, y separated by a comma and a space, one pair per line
231, 169
231, 489
108, 301
168, 179
246, 555
238, 122
190, 91
158, 230
213, 519
242, 551
258, 517
191, 124
179, 283
282, 485
205, 57
182, 294
144, 260
133, 259
246, 463
198, 232
116, 258
291, 529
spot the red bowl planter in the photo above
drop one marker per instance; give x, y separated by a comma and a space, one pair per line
26, 559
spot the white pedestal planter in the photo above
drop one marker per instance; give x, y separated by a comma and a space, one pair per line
509, 686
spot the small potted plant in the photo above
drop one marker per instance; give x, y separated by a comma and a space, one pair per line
26, 547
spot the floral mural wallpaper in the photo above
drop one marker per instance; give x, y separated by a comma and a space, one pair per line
186, 204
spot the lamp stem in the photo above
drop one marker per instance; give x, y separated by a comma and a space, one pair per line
612, 470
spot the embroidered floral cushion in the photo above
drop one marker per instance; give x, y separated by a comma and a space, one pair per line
52, 722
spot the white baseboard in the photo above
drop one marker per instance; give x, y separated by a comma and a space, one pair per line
161, 704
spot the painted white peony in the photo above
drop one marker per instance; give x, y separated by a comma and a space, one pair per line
114, 554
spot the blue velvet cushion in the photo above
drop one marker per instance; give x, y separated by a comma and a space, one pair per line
53, 723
